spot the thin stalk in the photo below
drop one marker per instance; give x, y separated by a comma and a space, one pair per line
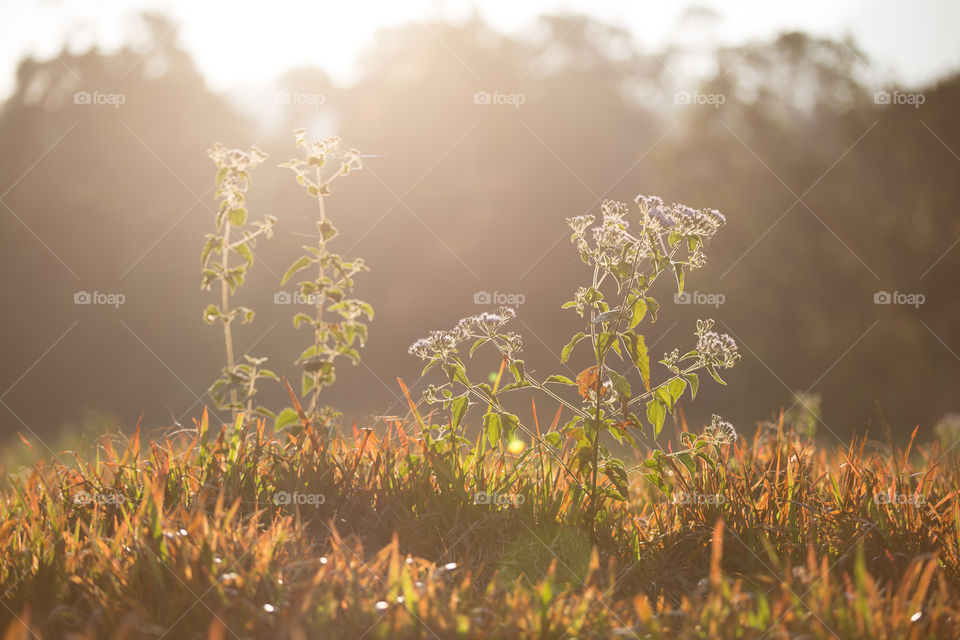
596, 410
315, 402
224, 306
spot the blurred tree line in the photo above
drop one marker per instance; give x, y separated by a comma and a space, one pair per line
830, 197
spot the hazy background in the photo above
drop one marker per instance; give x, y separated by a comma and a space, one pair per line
833, 192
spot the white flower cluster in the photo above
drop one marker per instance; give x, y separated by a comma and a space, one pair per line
329, 146
484, 325
679, 218
720, 431
716, 349
233, 179
613, 243
442, 343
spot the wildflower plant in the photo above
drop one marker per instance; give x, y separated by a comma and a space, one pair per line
332, 287
236, 386
626, 253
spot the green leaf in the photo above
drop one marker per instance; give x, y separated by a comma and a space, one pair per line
676, 389
716, 376
554, 439
458, 409
302, 263
246, 314
614, 470
213, 242
653, 306
326, 229
656, 413
664, 396
456, 372
477, 344
694, 382
604, 341
307, 382
211, 314
245, 253
238, 217
620, 385
565, 352
637, 311
560, 379
301, 318
637, 349
286, 417
688, 461
493, 427
510, 423
519, 375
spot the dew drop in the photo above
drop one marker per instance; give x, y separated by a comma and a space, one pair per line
450, 566
268, 608
383, 605
916, 616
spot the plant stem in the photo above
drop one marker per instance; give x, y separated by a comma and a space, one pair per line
315, 402
224, 308
592, 513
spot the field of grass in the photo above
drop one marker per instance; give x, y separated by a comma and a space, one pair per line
397, 533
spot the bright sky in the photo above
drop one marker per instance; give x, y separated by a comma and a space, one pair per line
236, 42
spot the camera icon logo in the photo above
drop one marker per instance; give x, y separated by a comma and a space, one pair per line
882, 297
682, 298
282, 297
882, 97
81, 97
482, 297
481, 97
281, 497
681, 97
482, 498
82, 297
282, 97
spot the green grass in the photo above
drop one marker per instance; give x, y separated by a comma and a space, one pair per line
197, 547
